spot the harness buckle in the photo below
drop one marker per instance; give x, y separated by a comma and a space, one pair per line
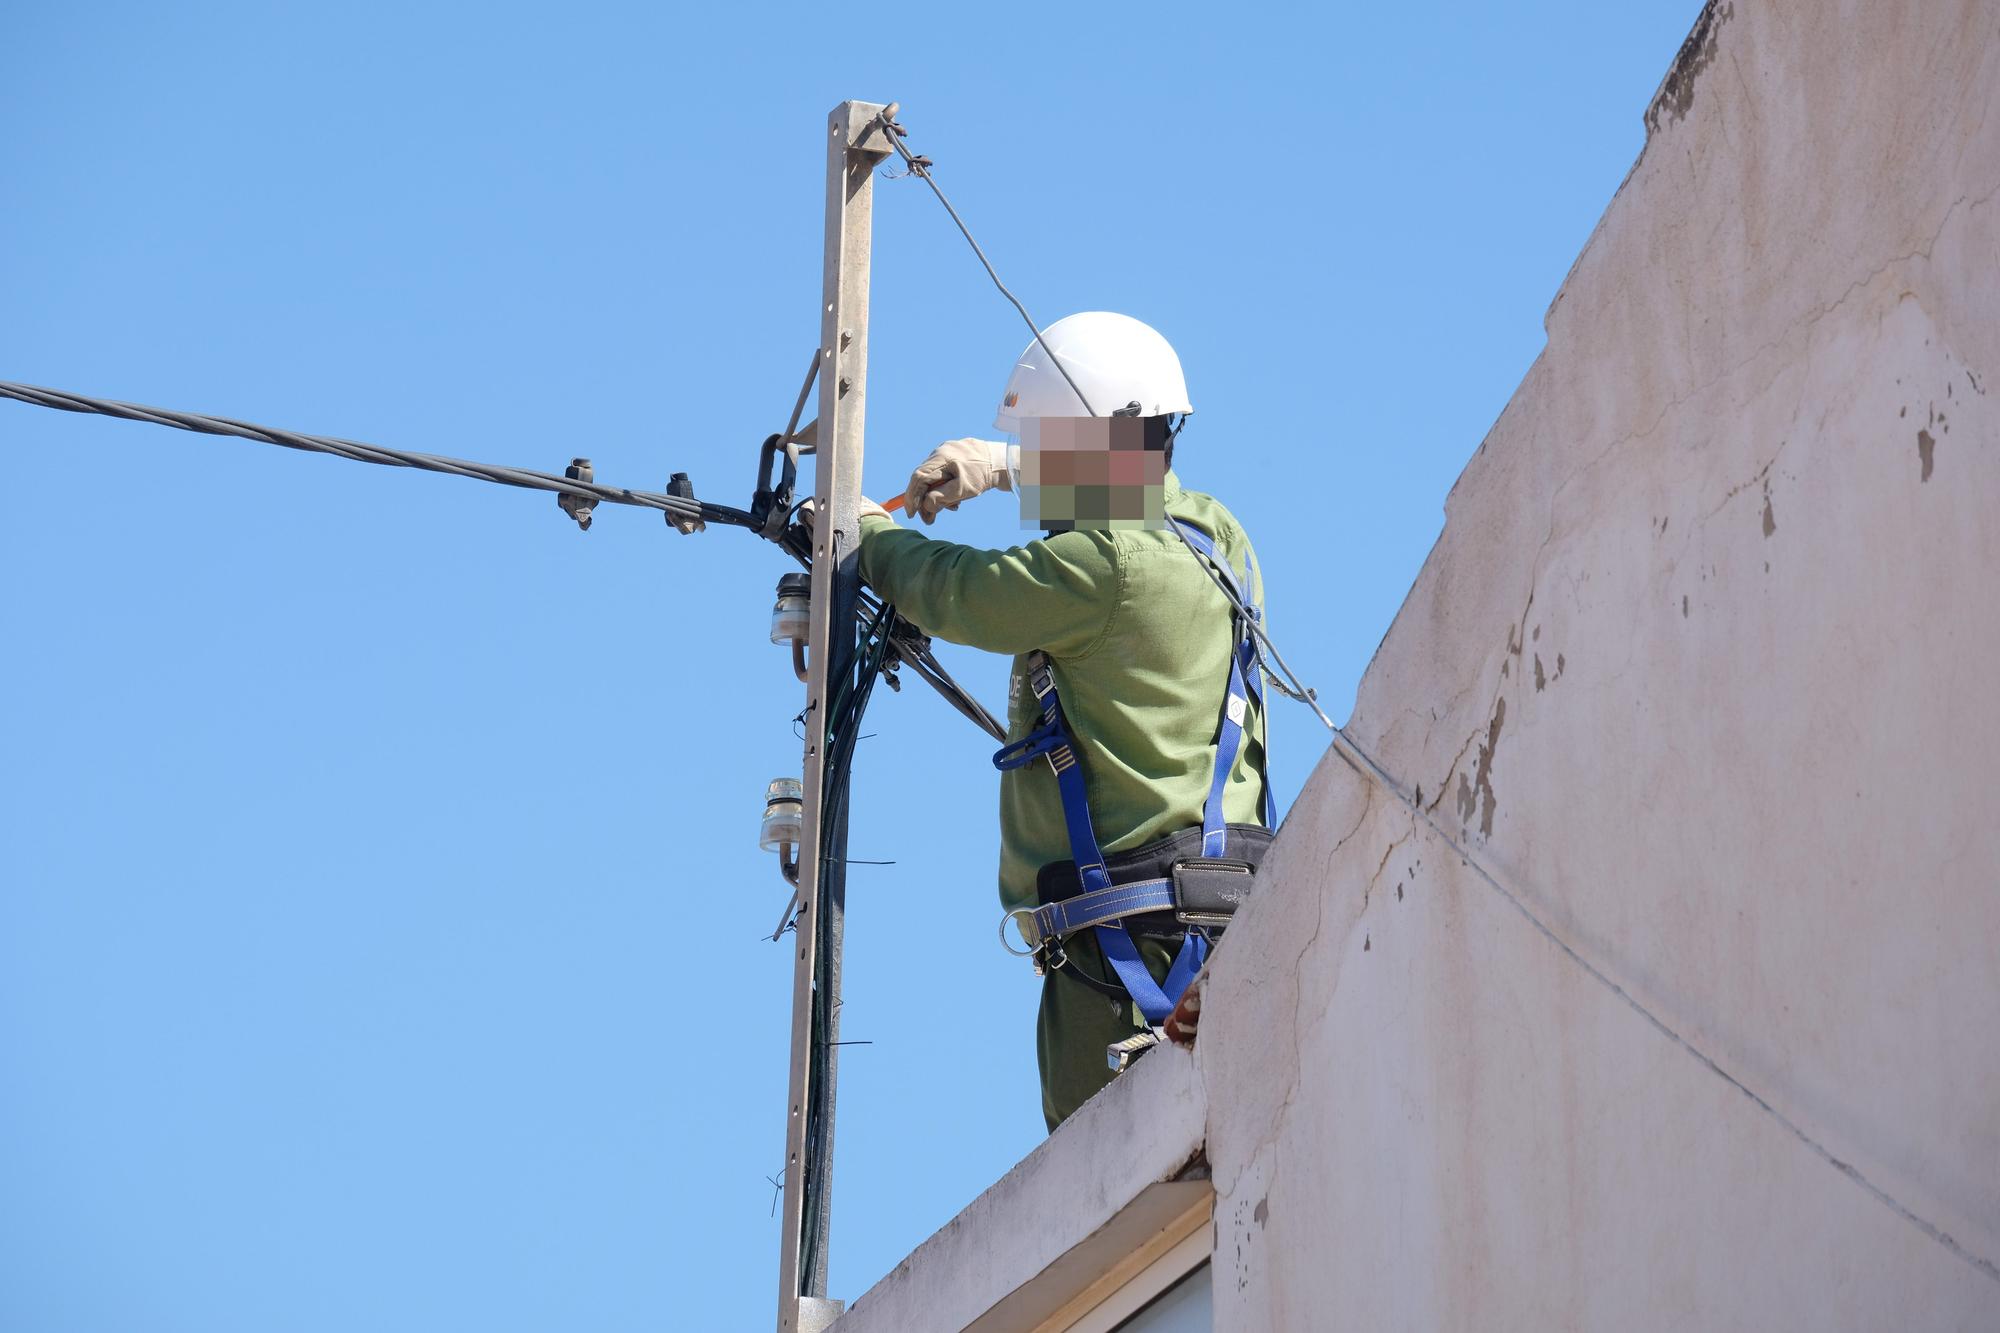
1040, 678
1050, 957
1041, 741
1119, 1055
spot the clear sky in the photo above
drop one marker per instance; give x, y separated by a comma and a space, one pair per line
380, 906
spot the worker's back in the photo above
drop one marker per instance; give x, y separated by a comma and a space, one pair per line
1143, 697
1139, 638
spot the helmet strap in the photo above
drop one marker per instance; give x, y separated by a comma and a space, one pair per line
1174, 428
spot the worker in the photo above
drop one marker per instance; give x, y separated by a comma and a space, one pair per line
1135, 708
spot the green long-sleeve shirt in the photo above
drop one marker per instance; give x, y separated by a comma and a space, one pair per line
1139, 640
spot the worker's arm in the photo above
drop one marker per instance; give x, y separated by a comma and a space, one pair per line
1057, 594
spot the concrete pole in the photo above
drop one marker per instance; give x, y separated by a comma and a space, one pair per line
856, 143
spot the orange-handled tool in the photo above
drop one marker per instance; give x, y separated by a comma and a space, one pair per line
893, 503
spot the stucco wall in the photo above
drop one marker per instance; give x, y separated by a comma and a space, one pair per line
1706, 667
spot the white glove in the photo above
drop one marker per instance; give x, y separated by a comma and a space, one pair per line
866, 507
956, 471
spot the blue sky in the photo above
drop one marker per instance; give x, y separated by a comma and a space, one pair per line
380, 906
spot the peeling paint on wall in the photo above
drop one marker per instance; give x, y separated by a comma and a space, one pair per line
1482, 768
1670, 104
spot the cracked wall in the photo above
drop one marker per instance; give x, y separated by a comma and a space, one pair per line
1702, 667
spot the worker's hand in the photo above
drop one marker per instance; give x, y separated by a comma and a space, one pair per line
865, 508
956, 471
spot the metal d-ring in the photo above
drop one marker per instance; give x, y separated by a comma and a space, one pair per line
1018, 953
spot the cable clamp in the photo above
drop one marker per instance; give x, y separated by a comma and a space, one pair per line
575, 503
682, 489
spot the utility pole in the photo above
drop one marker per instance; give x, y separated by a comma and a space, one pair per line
856, 142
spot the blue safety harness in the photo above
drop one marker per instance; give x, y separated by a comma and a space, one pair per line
1102, 903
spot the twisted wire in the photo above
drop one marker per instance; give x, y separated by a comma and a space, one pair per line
354, 449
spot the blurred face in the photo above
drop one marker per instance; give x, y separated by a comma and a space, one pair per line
1085, 473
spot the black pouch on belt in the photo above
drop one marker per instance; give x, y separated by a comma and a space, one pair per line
1207, 890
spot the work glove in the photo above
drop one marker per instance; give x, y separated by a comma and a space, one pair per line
866, 507
956, 471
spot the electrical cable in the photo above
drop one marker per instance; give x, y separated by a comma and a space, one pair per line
911, 647
673, 505
844, 716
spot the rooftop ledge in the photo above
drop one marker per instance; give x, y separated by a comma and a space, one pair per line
1118, 1182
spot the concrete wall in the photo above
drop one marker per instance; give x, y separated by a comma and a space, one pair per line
1706, 667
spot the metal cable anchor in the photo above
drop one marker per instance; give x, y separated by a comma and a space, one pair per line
577, 505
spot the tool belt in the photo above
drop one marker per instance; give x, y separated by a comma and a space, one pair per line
1158, 891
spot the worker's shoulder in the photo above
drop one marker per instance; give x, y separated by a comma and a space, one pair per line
1207, 513
1200, 510
1079, 546
1197, 509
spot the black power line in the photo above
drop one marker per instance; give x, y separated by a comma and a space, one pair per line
685, 509
908, 646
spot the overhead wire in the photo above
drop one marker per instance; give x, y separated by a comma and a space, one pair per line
846, 708
911, 647
203, 424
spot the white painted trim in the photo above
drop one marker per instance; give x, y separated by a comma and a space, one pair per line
1179, 1260
1121, 1251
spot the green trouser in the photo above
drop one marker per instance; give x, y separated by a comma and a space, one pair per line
1078, 1022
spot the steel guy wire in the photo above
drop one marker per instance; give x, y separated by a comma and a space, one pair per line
921, 168
1351, 752
1286, 680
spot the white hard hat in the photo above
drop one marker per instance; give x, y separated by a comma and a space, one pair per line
1115, 361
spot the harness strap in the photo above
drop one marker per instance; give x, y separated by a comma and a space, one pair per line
1156, 1000
1051, 740
1246, 682
1054, 920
